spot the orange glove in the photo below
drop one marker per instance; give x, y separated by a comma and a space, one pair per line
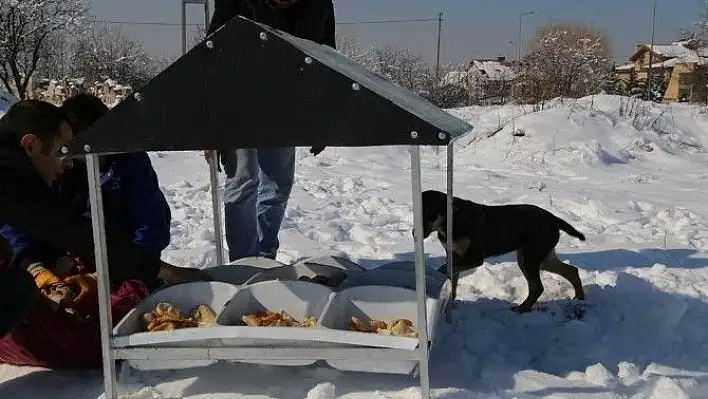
44, 278
87, 300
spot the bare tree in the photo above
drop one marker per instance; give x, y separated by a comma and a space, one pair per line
26, 30
57, 62
349, 45
196, 36
698, 34
699, 29
565, 60
401, 66
104, 52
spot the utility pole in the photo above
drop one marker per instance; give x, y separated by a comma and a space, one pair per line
651, 54
437, 63
520, 43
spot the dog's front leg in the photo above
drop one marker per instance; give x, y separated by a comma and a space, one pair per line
455, 275
455, 278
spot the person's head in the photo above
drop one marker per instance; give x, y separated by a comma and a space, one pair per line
40, 129
83, 110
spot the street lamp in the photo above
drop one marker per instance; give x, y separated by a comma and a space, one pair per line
184, 19
520, 42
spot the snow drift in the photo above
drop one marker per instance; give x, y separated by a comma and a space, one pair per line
629, 174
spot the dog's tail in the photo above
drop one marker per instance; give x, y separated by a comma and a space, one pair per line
570, 230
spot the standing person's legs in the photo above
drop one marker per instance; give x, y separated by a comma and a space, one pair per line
277, 176
240, 201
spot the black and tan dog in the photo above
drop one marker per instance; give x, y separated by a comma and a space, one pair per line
482, 231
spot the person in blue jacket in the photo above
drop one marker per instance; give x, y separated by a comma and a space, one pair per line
132, 199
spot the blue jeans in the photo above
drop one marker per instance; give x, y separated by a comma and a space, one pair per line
256, 192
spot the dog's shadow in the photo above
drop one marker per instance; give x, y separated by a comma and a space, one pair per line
632, 321
603, 260
615, 259
487, 345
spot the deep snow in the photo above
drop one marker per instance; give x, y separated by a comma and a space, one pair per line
630, 175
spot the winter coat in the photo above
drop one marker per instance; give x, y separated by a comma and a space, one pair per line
307, 19
18, 292
37, 215
133, 203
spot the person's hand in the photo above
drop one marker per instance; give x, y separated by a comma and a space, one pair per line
173, 275
43, 277
315, 151
86, 286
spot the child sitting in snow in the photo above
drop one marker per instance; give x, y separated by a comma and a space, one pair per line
62, 330
132, 199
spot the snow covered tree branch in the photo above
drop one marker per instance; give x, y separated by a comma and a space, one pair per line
349, 45
699, 30
196, 36
27, 28
565, 60
104, 52
401, 66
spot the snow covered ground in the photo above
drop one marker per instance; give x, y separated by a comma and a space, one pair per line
632, 176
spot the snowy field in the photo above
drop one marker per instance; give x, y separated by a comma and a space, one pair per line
632, 176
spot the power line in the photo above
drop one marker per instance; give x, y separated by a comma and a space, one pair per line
389, 21
369, 22
386, 21
137, 23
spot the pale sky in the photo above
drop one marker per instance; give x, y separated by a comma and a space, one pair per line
471, 28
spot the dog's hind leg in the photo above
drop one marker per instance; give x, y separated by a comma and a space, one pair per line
554, 265
530, 264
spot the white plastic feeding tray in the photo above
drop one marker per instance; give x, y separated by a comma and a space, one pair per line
260, 262
403, 278
332, 276
297, 298
232, 274
334, 261
381, 303
384, 294
130, 331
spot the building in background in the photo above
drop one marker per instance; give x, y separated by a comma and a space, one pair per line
680, 66
491, 79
